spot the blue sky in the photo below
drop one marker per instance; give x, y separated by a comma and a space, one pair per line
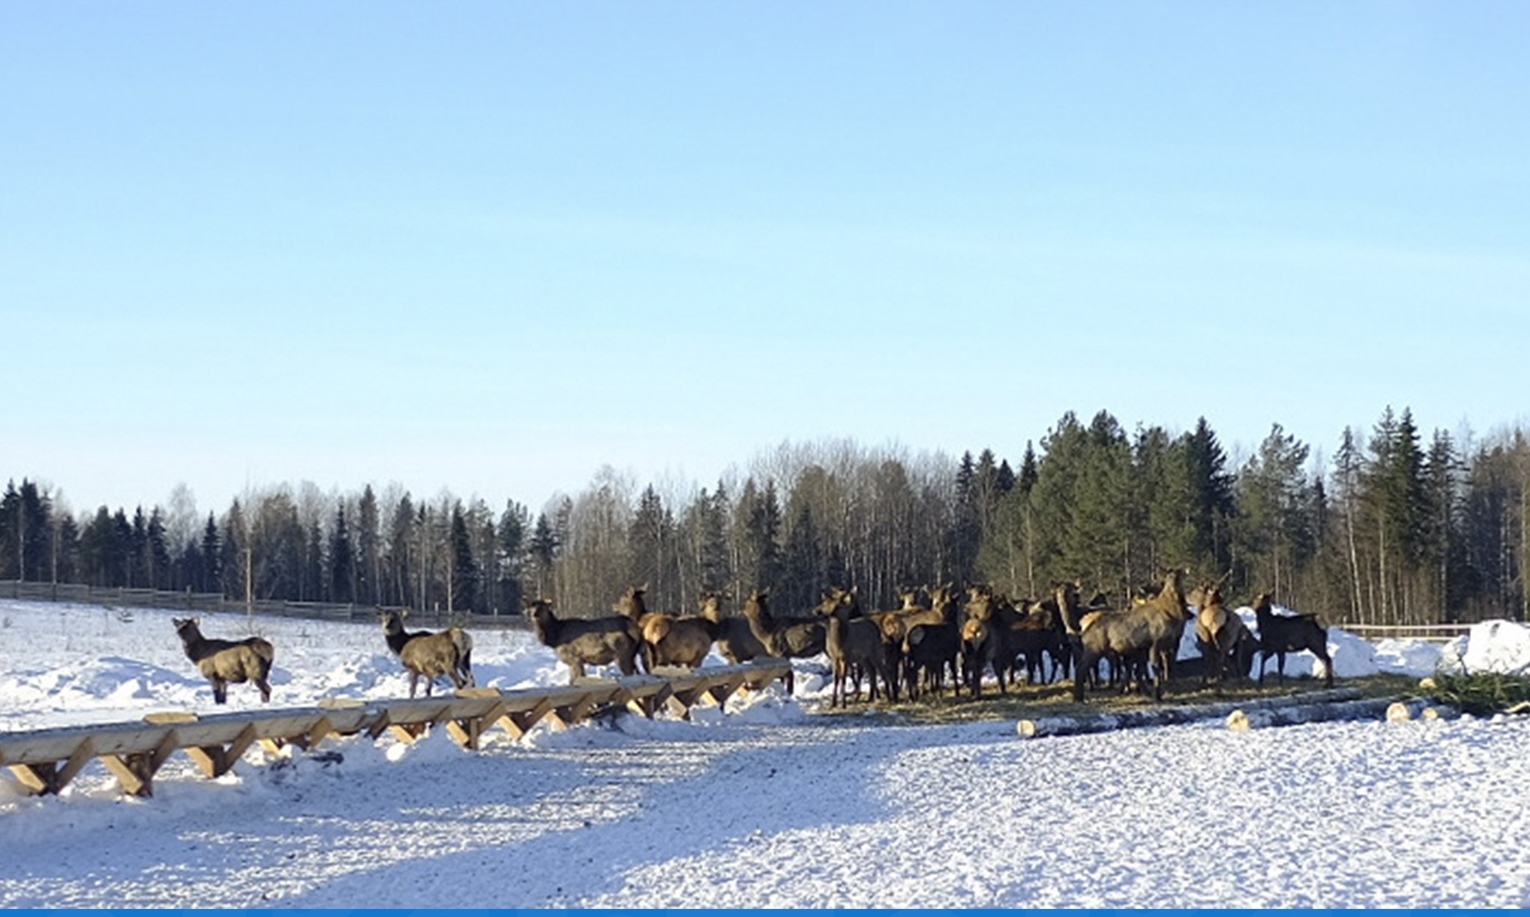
493, 247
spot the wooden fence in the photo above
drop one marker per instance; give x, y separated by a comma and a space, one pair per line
117, 596
46, 760
1437, 632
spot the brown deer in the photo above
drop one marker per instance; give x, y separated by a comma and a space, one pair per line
735, 638
1144, 636
225, 662
1218, 631
585, 641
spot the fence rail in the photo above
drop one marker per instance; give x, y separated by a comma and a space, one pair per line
1440, 632
45, 761
212, 602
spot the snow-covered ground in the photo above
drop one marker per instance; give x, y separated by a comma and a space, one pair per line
762, 805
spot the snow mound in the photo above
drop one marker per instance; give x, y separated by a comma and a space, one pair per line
1491, 647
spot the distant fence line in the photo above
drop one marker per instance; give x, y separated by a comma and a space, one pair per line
213, 602
1439, 632
331, 611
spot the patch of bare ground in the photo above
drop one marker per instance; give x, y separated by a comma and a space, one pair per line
1055, 699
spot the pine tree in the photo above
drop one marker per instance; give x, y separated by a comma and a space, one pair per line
966, 534
368, 549
1393, 490
464, 572
1064, 452
157, 551
758, 552
212, 558
1274, 525
1211, 489
1442, 485
651, 548
514, 536
314, 581
342, 561
544, 553
12, 543
400, 561
803, 562
1096, 544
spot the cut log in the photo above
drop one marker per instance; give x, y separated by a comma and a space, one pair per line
1169, 716
1370, 708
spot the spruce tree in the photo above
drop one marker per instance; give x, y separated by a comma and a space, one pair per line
342, 561
803, 563
463, 590
544, 553
368, 549
212, 558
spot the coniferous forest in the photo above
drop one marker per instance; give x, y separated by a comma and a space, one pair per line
1389, 527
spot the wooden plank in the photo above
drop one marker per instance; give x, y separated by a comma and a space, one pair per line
132, 772
35, 778
239, 746
170, 717
77, 761
209, 759
721, 692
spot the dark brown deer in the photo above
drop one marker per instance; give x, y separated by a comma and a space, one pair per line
857, 648
736, 641
225, 662
932, 645
1144, 636
786, 637
580, 642
1282, 634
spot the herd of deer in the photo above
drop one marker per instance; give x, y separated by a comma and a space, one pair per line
939, 633
907, 651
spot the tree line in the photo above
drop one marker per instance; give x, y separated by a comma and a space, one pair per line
1392, 529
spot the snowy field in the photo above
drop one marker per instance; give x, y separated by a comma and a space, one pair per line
763, 805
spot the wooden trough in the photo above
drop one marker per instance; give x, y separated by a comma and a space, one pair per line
46, 760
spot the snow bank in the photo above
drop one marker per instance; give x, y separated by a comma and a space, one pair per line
1497, 647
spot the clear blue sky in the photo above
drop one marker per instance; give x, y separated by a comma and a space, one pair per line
492, 247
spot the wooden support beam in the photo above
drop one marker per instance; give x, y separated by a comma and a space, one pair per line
520, 722
135, 771
408, 732
217, 760
134, 776
36, 778
238, 747
46, 778
208, 757
722, 692
316, 733
647, 700
75, 764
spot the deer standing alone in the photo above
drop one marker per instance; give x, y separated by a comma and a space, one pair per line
225, 662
